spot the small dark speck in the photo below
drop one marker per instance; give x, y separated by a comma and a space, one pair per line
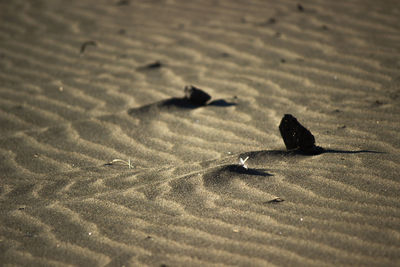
83, 46
272, 20
122, 31
278, 34
337, 110
122, 3
342, 127
225, 54
154, 65
163, 265
283, 60
378, 103
300, 7
324, 27
21, 208
148, 237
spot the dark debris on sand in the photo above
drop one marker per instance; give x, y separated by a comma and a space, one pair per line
83, 46
300, 7
154, 65
297, 137
196, 96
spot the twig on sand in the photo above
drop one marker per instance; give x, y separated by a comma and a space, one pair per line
124, 162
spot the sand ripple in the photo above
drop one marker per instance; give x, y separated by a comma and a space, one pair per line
183, 201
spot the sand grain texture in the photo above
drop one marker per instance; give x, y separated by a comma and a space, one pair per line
86, 82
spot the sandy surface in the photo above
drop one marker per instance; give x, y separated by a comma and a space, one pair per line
79, 87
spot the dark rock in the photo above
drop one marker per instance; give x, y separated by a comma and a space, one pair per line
296, 136
196, 95
300, 7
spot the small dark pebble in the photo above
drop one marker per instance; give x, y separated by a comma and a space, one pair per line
378, 103
324, 27
300, 7
83, 46
21, 208
154, 65
296, 136
196, 96
342, 127
272, 21
122, 31
275, 200
283, 60
163, 265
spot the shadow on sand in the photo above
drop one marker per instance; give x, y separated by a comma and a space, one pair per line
174, 104
223, 175
289, 153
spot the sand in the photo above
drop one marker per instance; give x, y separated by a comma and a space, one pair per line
83, 83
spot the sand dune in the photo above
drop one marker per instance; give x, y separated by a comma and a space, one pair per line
176, 195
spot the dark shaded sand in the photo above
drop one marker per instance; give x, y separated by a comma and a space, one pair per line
105, 162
